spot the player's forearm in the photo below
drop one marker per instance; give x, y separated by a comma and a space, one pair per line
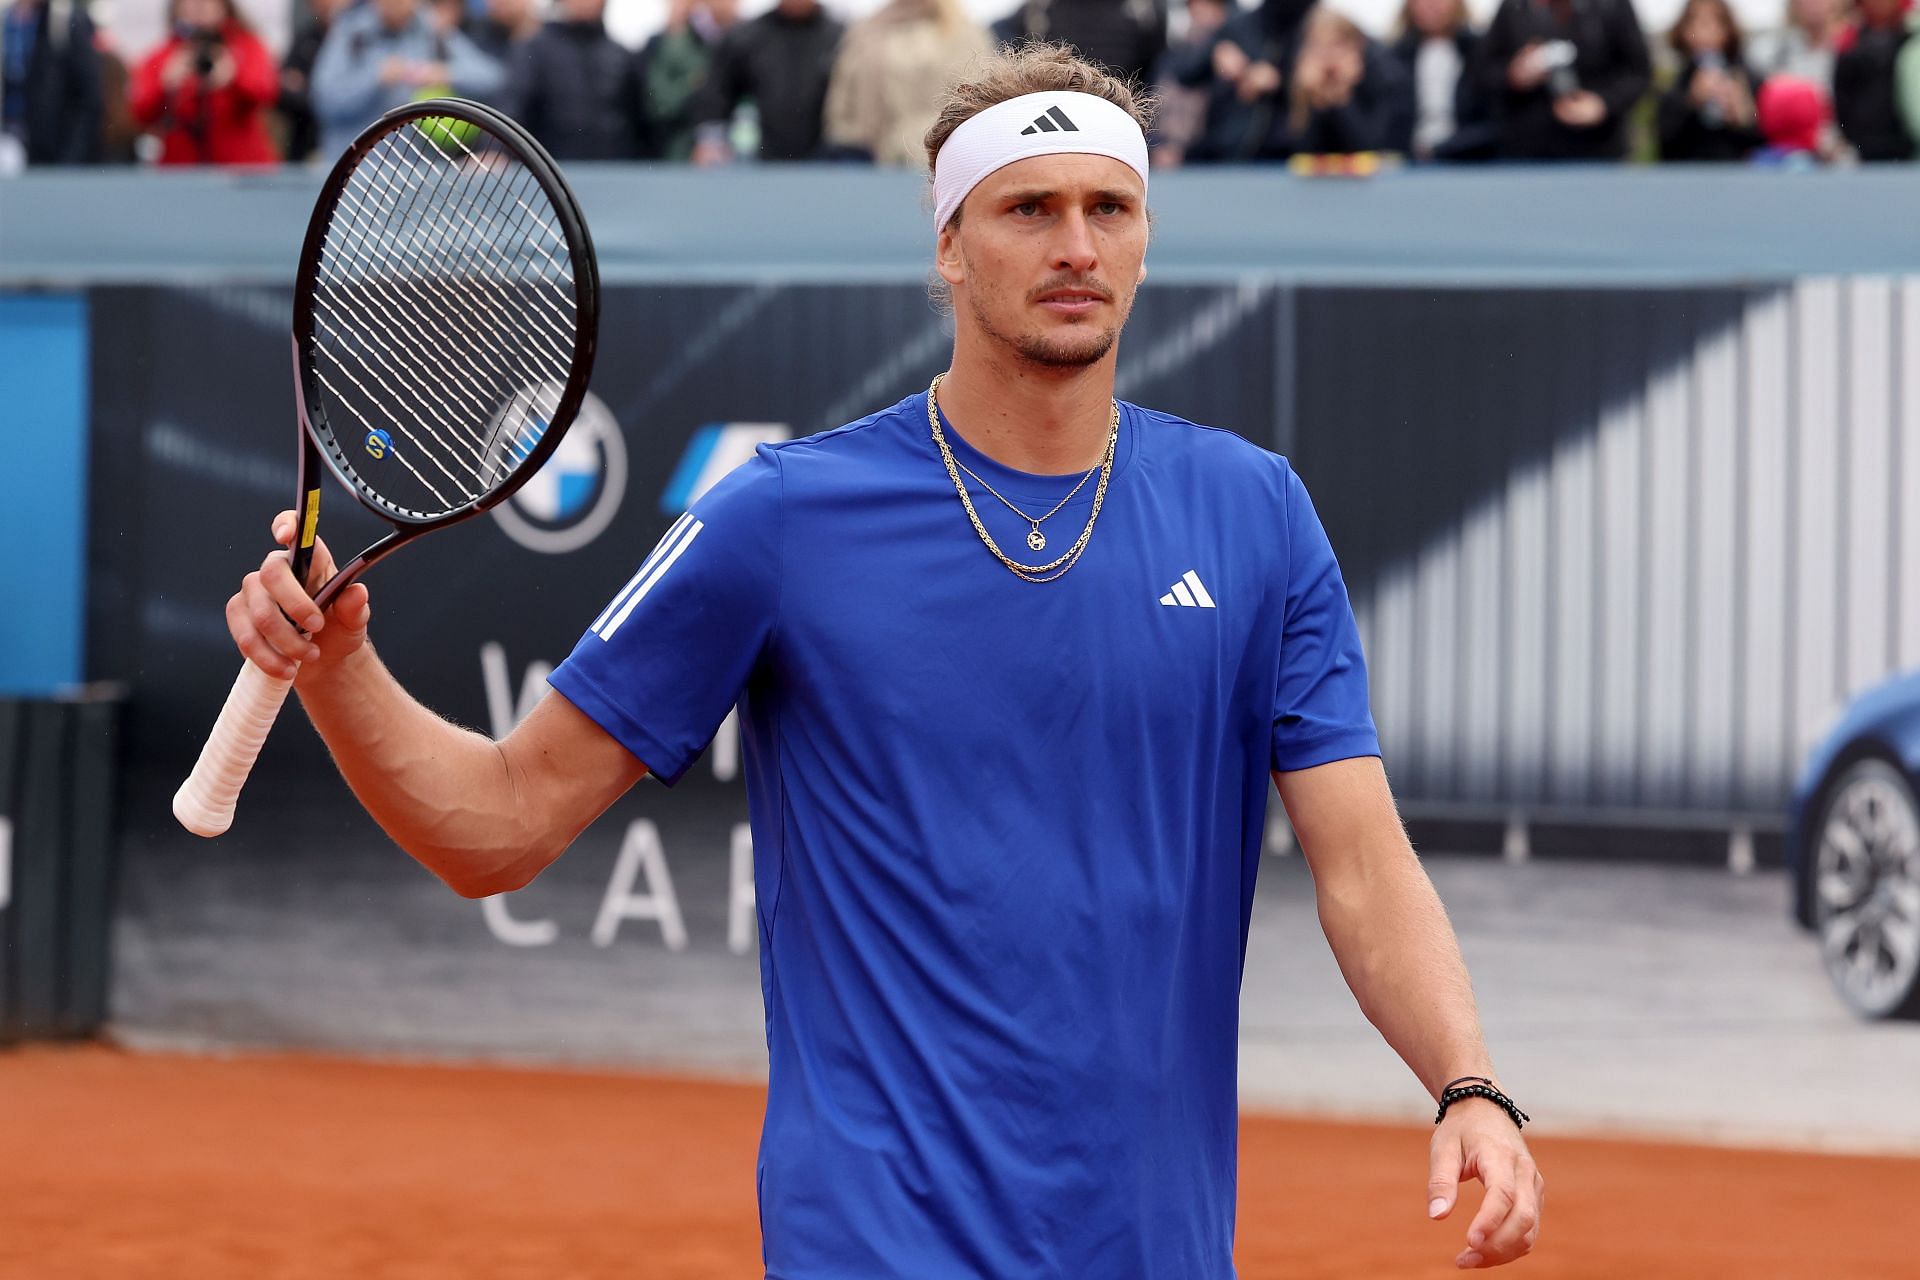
444, 794
1401, 959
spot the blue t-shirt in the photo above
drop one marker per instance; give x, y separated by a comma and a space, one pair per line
1005, 834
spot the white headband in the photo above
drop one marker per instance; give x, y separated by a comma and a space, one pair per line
1034, 124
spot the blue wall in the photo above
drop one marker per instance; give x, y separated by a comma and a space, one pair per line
43, 490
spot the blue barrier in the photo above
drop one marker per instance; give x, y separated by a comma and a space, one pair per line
43, 490
1557, 225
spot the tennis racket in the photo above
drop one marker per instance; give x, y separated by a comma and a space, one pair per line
444, 323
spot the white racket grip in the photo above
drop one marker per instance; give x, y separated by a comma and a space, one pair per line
204, 803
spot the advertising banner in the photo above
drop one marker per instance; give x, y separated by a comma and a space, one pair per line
303, 924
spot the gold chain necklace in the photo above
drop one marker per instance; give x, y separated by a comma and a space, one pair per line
1025, 572
1036, 539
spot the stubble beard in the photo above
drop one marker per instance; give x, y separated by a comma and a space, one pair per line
1052, 351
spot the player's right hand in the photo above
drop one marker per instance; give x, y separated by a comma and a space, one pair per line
263, 614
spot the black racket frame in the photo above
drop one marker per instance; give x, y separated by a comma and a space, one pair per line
310, 401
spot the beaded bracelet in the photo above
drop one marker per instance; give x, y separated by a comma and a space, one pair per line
1454, 1092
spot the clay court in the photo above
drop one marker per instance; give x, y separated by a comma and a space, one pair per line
284, 1168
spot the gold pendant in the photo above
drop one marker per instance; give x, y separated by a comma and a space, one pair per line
1037, 540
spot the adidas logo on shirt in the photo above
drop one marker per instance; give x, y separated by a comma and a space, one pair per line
1188, 593
1054, 121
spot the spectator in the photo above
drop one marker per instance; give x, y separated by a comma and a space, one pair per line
296, 79
120, 133
1347, 94
383, 54
207, 89
50, 102
1436, 48
1240, 70
673, 69
575, 89
782, 61
504, 24
1127, 37
1803, 46
1562, 75
1708, 112
1794, 118
892, 70
1182, 111
1865, 92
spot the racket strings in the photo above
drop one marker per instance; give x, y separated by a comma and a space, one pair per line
532, 213
460, 400
376, 353
358, 242
404, 459
372, 367
559, 321
347, 353
438, 458
508, 305
442, 329
491, 306
445, 316
445, 328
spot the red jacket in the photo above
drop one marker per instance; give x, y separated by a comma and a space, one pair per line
226, 126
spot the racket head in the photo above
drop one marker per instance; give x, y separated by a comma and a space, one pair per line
446, 314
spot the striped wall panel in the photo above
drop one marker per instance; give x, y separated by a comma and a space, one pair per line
1702, 535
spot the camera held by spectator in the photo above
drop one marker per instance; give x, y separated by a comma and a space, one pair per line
1556, 59
200, 50
207, 47
1707, 112
1563, 77
204, 93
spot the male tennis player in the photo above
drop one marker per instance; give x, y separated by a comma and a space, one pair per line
1014, 664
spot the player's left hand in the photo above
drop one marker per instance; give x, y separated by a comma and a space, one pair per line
1479, 1140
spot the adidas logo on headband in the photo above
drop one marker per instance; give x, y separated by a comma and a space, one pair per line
1053, 121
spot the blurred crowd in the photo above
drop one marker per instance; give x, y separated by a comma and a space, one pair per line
1283, 80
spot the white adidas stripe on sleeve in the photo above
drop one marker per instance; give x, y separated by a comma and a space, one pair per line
619, 597
659, 571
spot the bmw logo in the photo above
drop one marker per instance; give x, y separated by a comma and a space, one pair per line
573, 497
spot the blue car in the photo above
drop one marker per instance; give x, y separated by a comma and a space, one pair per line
1853, 850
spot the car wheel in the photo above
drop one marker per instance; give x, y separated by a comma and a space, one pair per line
1865, 873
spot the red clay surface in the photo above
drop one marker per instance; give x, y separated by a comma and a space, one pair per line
258, 1168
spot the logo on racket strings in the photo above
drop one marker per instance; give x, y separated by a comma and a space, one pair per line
574, 496
379, 443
